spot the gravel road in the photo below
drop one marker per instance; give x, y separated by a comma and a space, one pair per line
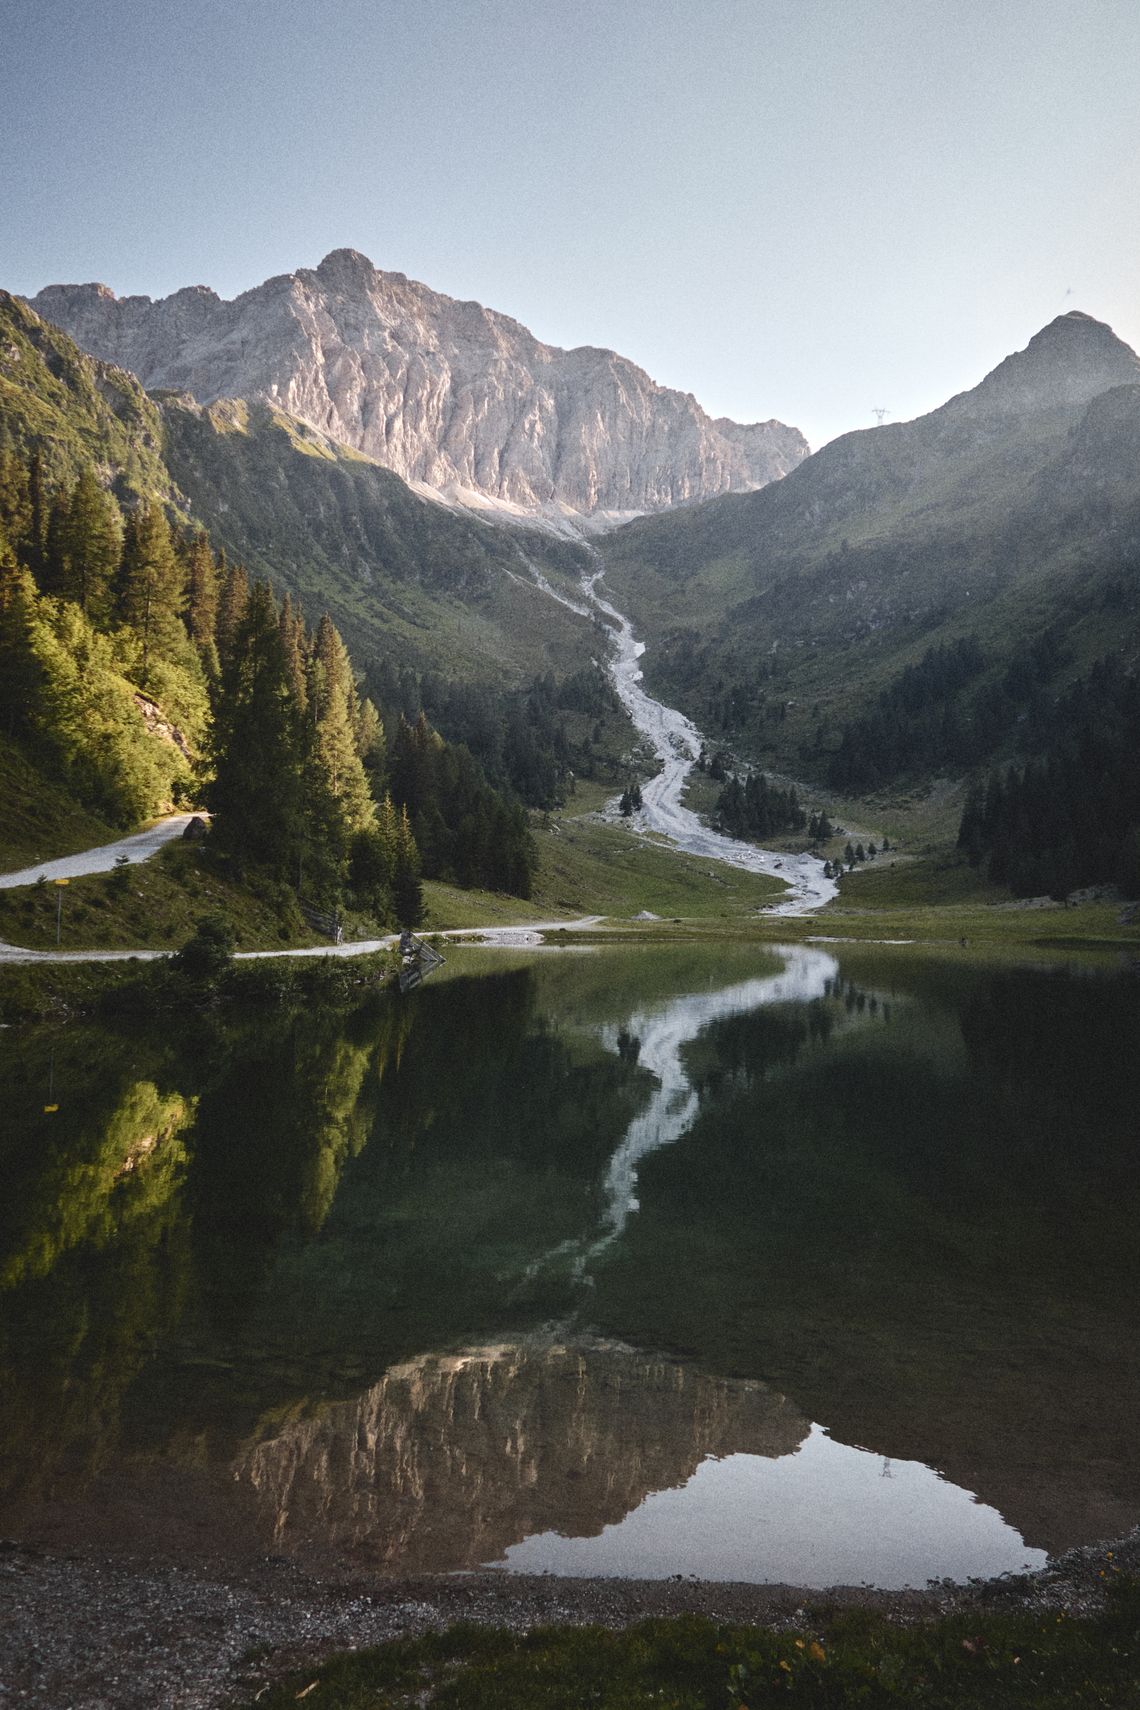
140, 846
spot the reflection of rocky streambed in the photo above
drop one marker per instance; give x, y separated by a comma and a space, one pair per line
450, 1459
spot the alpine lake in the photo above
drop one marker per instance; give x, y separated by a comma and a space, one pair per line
812, 1264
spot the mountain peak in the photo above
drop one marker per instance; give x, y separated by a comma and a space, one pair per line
451, 396
345, 263
1069, 362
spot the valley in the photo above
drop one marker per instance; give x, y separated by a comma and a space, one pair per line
738, 1207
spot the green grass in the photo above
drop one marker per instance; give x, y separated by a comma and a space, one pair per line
40, 820
968, 1661
57, 991
151, 905
587, 867
889, 883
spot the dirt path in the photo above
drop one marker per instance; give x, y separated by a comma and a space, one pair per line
523, 936
140, 846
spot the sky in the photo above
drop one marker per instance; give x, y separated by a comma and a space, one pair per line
807, 209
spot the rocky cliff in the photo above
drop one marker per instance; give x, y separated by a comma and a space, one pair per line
452, 1458
449, 395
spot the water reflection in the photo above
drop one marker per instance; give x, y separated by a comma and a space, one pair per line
900, 1196
825, 1514
656, 1039
450, 1459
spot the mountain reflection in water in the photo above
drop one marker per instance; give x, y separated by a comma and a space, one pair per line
450, 1459
892, 1194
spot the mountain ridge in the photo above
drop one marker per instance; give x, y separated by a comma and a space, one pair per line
1010, 510
450, 395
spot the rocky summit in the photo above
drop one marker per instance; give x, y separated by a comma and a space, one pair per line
451, 396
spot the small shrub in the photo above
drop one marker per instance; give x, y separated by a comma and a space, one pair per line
207, 956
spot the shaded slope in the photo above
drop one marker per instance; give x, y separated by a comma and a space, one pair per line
400, 575
1014, 507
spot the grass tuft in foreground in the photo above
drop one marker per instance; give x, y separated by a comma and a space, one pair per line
966, 1661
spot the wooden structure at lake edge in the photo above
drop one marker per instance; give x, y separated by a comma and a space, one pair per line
417, 961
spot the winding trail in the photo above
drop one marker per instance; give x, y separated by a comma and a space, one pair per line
526, 935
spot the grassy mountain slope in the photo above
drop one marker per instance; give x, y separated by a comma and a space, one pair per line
77, 410
1013, 509
399, 574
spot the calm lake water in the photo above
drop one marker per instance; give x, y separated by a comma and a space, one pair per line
813, 1265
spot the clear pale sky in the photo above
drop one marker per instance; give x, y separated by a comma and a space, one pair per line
798, 208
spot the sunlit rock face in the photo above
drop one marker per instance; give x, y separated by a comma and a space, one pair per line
451, 1458
447, 394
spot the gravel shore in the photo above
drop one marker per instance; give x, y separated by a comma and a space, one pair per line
90, 1632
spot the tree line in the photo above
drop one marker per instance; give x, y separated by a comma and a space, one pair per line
753, 807
532, 741
936, 714
117, 628
1071, 815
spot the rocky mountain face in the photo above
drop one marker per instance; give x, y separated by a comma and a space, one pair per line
449, 395
452, 1458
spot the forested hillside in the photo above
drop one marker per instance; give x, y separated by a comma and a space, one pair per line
143, 667
779, 618
139, 670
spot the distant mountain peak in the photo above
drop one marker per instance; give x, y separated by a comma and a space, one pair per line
1069, 362
339, 262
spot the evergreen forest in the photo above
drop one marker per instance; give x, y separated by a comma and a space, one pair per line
140, 670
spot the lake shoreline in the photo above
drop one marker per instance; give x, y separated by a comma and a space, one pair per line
93, 1629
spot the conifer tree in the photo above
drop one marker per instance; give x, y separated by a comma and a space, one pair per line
338, 801
15, 501
202, 597
151, 583
232, 602
92, 546
256, 793
407, 892
293, 641
20, 674
36, 538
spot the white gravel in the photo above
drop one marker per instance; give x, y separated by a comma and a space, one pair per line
676, 742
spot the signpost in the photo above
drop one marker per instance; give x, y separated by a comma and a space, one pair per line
59, 907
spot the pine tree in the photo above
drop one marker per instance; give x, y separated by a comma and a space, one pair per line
36, 538
293, 641
151, 584
232, 602
93, 547
407, 892
20, 674
340, 802
202, 597
15, 502
256, 794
